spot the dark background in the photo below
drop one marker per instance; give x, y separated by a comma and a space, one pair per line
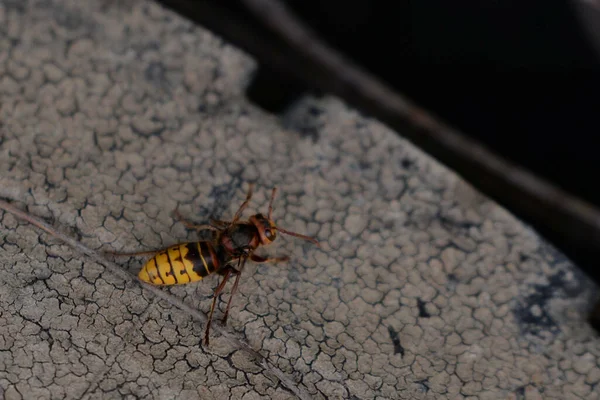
519, 76
522, 78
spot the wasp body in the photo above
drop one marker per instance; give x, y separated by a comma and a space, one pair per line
234, 242
183, 263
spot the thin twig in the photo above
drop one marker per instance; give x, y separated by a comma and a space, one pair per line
194, 313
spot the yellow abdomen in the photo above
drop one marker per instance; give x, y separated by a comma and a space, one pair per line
179, 264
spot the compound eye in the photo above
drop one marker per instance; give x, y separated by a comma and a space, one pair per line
268, 234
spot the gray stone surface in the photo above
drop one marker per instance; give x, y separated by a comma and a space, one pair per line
114, 113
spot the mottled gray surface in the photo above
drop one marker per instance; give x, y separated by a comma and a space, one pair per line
113, 113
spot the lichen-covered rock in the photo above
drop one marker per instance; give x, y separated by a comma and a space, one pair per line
115, 113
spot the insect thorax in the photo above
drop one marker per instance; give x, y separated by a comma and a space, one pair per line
240, 238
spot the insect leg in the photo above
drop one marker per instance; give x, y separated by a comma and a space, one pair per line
258, 259
191, 225
238, 273
218, 291
233, 290
219, 224
238, 214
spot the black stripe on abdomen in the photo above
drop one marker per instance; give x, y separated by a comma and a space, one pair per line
195, 258
209, 256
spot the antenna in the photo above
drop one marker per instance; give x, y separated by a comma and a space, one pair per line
307, 238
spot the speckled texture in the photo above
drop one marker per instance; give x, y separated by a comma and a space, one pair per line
114, 113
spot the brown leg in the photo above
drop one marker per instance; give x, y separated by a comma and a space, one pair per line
238, 214
258, 259
191, 225
218, 291
238, 273
233, 290
219, 223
